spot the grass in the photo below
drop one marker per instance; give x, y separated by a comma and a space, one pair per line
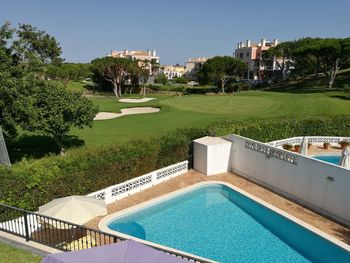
307, 98
198, 110
11, 254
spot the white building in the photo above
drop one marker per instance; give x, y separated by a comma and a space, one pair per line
193, 65
173, 71
251, 54
143, 55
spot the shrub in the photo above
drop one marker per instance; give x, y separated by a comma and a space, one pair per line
173, 147
31, 183
202, 90
276, 129
161, 79
180, 80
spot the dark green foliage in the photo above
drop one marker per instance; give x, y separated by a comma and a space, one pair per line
29, 184
161, 79
173, 148
270, 130
68, 71
218, 70
56, 111
115, 71
180, 80
26, 99
202, 90
310, 55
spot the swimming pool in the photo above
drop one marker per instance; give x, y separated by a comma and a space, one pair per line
335, 159
217, 222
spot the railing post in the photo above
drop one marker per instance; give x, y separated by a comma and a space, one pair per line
26, 227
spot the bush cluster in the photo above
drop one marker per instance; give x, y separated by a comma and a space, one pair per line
275, 129
29, 184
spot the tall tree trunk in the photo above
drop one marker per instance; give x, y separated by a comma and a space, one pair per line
223, 86
284, 73
333, 73
115, 90
119, 90
144, 90
59, 142
317, 68
62, 152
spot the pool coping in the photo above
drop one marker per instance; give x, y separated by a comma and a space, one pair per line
102, 225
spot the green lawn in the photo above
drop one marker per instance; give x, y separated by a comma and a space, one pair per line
11, 254
307, 98
198, 110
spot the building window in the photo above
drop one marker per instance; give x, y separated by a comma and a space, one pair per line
241, 55
247, 54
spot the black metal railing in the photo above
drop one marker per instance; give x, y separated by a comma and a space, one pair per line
61, 234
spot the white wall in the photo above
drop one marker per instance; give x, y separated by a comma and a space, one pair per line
321, 186
137, 184
211, 155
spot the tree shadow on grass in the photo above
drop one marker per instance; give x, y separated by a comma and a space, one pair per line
342, 97
36, 146
313, 85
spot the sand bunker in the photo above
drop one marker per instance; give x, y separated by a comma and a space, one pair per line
112, 115
136, 100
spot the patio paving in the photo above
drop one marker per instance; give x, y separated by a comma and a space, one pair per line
192, 177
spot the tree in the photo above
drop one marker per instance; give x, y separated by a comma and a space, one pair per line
142, 73
55, 111
16, 80
68, 71
219, 70
161, 79
281, 55
335, 52
180, 80
114, 70
26, 98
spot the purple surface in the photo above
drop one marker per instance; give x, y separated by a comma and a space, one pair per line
124, 252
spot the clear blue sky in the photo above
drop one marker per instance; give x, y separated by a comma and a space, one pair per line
178, 30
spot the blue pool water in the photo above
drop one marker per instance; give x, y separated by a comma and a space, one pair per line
216, 222
335, 159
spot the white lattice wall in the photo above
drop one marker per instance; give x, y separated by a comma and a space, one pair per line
311, 139
321, 186
118, 191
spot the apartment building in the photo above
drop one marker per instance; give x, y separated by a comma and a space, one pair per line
144, 55
193, 65
251, 54
173, 71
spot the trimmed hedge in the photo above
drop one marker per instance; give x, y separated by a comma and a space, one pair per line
29, 184
275, 129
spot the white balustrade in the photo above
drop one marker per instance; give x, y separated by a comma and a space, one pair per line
118, 191
321, 186
311, 139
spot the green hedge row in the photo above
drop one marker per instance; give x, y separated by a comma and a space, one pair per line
275, 129
29, 184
